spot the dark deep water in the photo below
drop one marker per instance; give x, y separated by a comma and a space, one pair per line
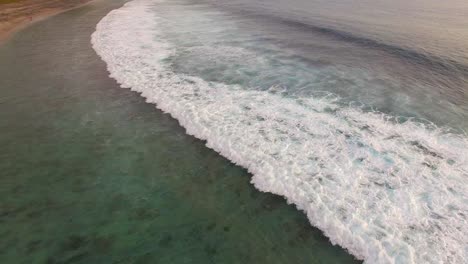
90, 173
404, 58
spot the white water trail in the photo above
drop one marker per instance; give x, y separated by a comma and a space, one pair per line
387, 192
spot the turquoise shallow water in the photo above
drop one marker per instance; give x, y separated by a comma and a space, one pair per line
90, 173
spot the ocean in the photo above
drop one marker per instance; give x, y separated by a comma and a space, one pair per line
355, 111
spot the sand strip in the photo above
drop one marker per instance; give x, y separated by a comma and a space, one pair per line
17, 14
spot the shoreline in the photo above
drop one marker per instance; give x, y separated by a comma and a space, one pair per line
18, 15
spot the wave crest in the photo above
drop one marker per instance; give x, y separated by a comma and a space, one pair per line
388, 192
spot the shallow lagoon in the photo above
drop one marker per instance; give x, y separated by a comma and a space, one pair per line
92, 174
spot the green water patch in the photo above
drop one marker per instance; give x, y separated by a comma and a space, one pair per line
90, 173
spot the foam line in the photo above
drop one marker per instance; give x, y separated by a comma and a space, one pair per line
387, 192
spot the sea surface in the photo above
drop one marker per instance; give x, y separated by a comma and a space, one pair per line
90, 173
355, 111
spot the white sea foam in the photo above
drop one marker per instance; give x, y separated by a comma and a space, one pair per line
387, 192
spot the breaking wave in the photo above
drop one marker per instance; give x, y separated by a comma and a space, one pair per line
387, 191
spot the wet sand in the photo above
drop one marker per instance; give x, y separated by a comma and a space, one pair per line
90, 173
16, 14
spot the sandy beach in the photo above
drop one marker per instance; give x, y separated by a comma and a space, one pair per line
16, 14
